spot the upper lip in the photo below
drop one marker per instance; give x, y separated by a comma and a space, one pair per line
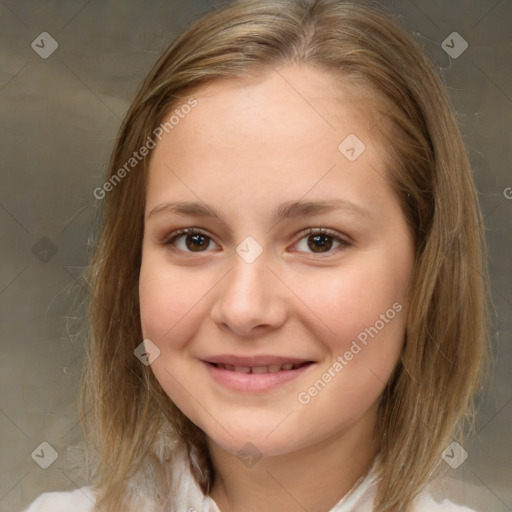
262, 360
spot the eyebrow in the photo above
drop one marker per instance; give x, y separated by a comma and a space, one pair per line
283, 211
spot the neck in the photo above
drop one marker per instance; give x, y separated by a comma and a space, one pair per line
314, 478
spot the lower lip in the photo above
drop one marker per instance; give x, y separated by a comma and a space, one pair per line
253, 381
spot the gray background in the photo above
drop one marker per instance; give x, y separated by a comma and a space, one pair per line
60, 116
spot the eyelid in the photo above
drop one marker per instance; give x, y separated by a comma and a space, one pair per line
324, 231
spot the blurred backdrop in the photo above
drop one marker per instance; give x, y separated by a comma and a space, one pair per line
69, 70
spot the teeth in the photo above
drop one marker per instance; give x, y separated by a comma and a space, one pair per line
273, 368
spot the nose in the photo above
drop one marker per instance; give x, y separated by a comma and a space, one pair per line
250, 298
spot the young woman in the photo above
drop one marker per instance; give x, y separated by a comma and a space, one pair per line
289, 305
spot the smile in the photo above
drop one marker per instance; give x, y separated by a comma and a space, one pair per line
273, 368
260, 378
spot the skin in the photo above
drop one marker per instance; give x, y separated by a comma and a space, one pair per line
248, 146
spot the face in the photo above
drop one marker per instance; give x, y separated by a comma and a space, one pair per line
261, 280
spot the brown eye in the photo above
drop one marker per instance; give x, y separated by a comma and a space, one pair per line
321, 241
189, 240
196, 241
317, 243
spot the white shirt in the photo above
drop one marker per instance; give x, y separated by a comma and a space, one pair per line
189, 497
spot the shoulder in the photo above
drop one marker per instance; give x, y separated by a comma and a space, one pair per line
79, 500
442, 495
426, 503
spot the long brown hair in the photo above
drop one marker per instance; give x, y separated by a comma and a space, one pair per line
128, 420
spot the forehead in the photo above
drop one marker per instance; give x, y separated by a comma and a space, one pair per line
273, 137
289, 98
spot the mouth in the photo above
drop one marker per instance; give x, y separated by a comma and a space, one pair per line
273, 368
255, 374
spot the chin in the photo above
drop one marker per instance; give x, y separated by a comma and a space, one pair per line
256, 442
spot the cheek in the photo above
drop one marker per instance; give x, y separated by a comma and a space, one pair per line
352, 298
365, 312
169, 305
169, 300
361, 313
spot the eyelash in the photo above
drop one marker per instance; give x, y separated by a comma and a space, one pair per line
171, 239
